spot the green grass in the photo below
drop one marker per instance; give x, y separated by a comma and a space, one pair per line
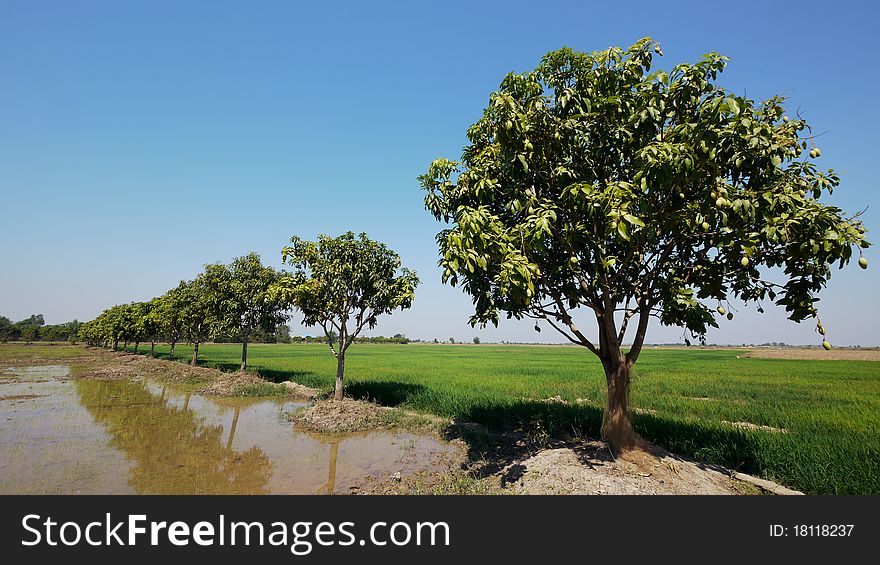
831, 409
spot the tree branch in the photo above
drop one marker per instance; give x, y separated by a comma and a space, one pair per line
329, 338
634, 351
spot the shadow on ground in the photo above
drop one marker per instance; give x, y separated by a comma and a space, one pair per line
386, 393
499, 438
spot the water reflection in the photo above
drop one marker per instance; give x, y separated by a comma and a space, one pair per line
330, 486
172, 450
90, 436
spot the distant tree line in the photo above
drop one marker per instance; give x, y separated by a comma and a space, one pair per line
34, 328
230, 303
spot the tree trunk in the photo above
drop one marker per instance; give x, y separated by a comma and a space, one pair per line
115, 345
152, 349
125, 346
340, 371
136, 345
244, 345
616, 425
195, 354
171, 353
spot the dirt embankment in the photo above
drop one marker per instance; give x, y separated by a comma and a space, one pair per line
97, 363
349, 415
583, 468
589, 468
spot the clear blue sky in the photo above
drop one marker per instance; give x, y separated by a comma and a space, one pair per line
141, 140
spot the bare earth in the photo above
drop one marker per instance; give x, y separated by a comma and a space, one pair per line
816, 354
590, 469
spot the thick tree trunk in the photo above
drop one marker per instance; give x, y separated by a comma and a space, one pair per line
195, 354
617, 428
340, 371
244, 345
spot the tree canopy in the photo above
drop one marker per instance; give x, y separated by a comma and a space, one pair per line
244, 301
344, 284
594, 182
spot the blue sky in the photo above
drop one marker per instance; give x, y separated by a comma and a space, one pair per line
139, 141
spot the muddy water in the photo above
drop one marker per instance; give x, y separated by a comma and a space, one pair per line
70, 436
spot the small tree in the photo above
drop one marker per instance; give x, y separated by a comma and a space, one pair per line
114, 324
476, 341
245, 303
29, 329
167, 313
593, 183
344, 284
195, 314
7, 329
140, 321
152, 322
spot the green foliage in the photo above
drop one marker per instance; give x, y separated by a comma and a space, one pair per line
197, 308
344, 284
594, 182
243, 299
6, 329
167, 313
34, 328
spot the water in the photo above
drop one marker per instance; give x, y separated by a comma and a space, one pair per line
72, 436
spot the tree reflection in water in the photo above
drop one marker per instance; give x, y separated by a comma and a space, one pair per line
172, 451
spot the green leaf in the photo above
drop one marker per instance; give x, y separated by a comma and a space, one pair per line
633, 220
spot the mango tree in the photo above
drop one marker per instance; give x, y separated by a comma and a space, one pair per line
344, 284
196, 312
594, 183
244, 301
167, 313
152, 322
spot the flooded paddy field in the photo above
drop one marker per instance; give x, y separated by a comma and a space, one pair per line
60, 434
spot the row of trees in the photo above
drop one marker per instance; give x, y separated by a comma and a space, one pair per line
227, 302
397, 338
341, 284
